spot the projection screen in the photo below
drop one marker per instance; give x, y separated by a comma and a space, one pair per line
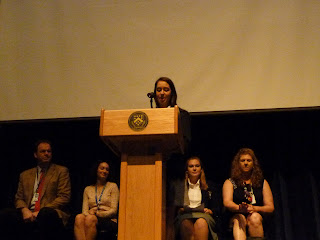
70, 58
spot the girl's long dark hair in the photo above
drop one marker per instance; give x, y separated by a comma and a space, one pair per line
174, 96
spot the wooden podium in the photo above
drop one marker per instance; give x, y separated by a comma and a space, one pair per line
143, 138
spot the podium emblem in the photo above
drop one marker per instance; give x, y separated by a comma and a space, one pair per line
138, 121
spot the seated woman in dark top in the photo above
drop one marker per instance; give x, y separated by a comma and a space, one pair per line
247, 196
194, 203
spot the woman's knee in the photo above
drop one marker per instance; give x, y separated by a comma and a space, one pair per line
239, 220
91, 220
254, 220
200, 224
80, 219
186, 226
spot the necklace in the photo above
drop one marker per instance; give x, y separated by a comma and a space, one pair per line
248, 192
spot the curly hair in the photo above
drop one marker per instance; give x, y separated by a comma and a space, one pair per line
174, 96
236, 173
203, 181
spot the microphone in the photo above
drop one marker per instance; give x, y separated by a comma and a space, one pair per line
151, 95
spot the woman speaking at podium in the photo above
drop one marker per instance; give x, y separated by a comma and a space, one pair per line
165, 96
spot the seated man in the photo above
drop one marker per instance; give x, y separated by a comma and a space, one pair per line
42, 197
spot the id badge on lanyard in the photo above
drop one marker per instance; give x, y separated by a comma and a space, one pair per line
36, 196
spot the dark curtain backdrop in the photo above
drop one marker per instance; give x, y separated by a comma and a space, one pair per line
286, 142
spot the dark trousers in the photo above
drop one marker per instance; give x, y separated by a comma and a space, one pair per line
47, 226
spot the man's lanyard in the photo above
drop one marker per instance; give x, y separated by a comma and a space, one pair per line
37, 184
39, 179
99, 201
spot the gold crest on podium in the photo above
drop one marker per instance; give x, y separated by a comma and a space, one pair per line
138, 121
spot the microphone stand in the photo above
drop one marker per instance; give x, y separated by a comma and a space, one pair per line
151, 102
150, 95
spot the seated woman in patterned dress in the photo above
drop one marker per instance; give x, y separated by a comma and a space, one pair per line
247, 196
